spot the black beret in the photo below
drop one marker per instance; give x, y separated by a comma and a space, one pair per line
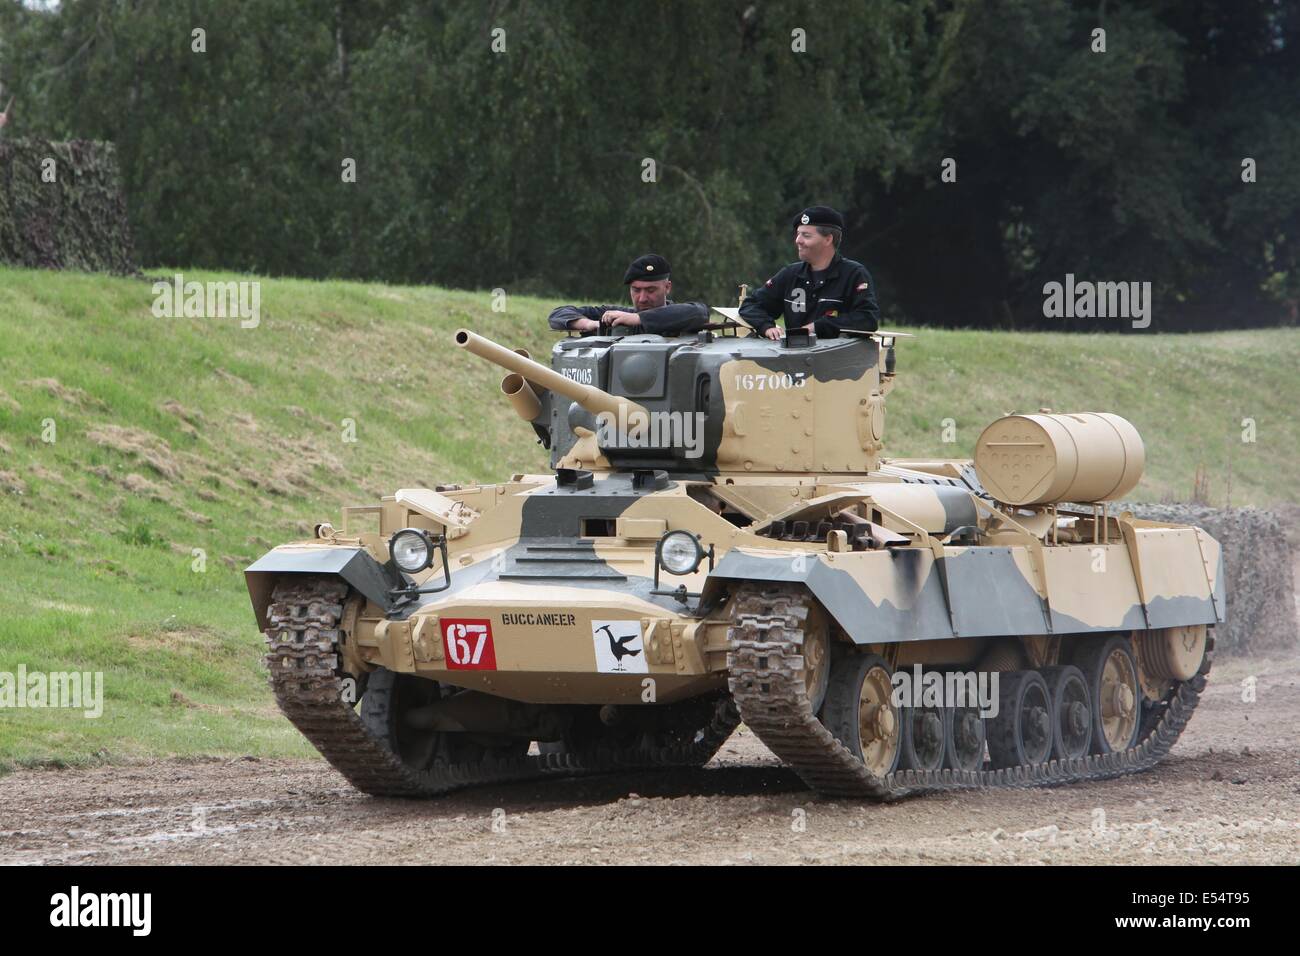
645, 268
819, 216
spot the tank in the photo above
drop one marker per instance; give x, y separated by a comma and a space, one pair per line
721, 537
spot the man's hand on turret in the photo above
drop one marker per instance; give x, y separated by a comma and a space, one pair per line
584, 325
773, 333
619, 317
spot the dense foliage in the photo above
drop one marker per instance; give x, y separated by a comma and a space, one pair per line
61, 207
524, 168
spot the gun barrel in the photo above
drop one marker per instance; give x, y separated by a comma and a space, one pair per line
590, 397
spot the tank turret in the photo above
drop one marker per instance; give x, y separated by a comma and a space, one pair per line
702, 405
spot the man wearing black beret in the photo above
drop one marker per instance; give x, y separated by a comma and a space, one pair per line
648, 281
822, 292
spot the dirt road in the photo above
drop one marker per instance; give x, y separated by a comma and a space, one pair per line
1229, 793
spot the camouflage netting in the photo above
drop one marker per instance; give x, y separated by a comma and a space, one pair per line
78, 221
1257, 558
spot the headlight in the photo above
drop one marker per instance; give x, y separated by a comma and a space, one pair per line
680, 552
412, 550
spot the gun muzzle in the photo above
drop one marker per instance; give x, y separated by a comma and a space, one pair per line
522, 396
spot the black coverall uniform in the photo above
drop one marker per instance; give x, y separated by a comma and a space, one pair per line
672, 318
842, 297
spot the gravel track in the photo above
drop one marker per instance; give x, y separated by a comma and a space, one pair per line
1228, 793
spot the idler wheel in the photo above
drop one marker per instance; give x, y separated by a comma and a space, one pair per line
816, 658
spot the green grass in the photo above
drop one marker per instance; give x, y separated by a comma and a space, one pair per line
176, 434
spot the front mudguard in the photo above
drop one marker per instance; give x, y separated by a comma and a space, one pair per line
354, 565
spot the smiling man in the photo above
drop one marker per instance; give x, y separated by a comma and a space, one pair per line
649, 283
822, 292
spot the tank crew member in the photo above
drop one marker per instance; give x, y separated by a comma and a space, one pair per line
647, 279
822, 292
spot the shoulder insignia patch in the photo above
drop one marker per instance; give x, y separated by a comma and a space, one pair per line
862, 287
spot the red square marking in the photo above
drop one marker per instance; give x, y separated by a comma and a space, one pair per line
467, 643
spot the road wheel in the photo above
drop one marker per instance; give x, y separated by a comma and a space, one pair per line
922, 745
1021, 733
1110, 669
964, 738
388, 698
859, 710
1071, 711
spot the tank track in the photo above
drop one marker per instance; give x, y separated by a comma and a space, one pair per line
303, 638
765, 665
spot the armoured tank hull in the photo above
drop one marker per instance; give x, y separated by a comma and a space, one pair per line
884, 626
